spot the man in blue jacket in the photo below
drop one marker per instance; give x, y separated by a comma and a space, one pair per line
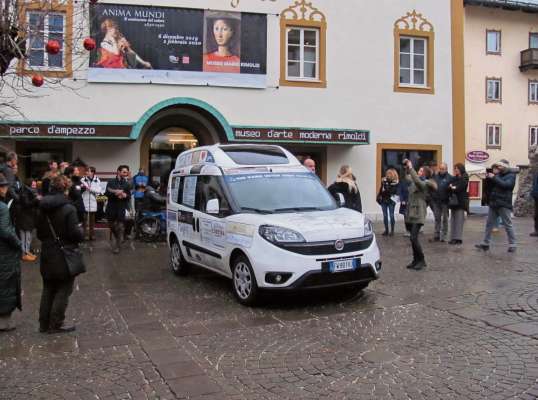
502, 181
534, 195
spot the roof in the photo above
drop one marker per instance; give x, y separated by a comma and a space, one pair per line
530, 6
237, 156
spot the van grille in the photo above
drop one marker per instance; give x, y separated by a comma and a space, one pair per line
328, 248
326, 279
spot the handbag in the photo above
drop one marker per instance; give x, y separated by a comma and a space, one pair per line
453, 200
403, 208
72, 255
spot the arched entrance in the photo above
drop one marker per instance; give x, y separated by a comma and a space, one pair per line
172, 130
164, 149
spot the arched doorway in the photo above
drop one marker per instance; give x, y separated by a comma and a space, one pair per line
165, 147
173, 130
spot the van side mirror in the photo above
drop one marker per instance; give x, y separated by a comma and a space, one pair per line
213, 207
341, 199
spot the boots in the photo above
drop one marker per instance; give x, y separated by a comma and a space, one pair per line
386, 231
391, 230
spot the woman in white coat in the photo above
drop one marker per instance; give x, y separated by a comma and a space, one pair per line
92, 189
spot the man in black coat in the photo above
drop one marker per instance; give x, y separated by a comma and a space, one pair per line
501, 182
57, 281
118, 192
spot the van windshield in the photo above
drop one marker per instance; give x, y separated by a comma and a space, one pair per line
279, 192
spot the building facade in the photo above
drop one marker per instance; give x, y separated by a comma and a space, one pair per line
363, 83
501, 84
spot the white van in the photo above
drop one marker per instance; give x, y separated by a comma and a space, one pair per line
254, 214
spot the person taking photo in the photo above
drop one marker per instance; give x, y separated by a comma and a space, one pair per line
501, 180
420, 186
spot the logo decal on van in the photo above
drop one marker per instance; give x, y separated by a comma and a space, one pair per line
339, 245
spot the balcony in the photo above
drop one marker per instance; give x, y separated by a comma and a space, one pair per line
529, 60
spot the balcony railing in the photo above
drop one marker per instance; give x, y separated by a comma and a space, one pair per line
529, 60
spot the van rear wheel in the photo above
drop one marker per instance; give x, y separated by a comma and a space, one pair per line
178, 265
244, 281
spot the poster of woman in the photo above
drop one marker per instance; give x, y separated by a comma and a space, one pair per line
222, 42
115, 50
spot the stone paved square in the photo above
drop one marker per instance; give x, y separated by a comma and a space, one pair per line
465, 328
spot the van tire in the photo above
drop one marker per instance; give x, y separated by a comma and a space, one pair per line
244, 283
178, 265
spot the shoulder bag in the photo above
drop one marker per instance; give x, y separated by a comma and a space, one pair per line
72, 255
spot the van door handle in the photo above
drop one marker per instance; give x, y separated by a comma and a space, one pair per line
198, 225
194, 224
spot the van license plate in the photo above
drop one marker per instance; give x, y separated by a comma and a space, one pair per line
344, 265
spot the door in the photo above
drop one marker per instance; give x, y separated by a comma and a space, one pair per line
211, 228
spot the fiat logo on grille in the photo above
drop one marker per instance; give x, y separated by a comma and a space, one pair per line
339, 245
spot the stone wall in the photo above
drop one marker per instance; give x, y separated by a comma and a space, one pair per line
524, 204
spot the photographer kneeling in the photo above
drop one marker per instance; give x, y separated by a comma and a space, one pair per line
420, 187
501, 180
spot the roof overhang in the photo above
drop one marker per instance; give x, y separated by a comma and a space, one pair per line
510, 5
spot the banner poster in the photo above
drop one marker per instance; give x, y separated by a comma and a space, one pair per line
146, 44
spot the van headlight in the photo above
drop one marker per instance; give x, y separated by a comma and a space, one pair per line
368, 227
279, 235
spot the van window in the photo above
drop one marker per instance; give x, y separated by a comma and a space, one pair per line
208, 188
246, 156
176, 189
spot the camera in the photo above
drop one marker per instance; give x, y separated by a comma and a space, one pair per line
489, 170
405, 162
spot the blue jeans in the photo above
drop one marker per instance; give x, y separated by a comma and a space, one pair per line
506, 217
388, 212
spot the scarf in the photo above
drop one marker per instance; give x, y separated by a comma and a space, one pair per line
348, 178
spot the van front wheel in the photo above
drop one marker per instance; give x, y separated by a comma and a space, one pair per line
244, 282
178, 265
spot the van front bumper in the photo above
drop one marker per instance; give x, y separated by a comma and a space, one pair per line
310, 271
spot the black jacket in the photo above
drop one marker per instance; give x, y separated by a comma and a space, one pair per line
440, 195
461, 185
63, 217
115, 208
353, 200
152, 201
13, 180
386, 191
26, 209
501, 190
75, 195
10, 264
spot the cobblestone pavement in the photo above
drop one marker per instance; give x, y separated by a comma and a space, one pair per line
465, 328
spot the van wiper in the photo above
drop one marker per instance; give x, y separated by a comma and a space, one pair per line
298, 209
257, 210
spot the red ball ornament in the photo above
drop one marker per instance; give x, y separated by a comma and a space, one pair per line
52, 47
89, 44
92, 2
37, 80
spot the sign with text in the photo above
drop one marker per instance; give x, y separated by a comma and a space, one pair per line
478, 156
149, 44
74, 131
305, 135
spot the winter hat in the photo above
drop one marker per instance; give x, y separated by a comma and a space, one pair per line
502, 163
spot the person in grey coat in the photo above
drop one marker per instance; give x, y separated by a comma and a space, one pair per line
420, 186
10, 266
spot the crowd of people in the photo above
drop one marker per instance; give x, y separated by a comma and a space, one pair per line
62, 208
413, 191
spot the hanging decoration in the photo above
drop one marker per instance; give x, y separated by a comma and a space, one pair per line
53, 47
89, 44
37, 80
